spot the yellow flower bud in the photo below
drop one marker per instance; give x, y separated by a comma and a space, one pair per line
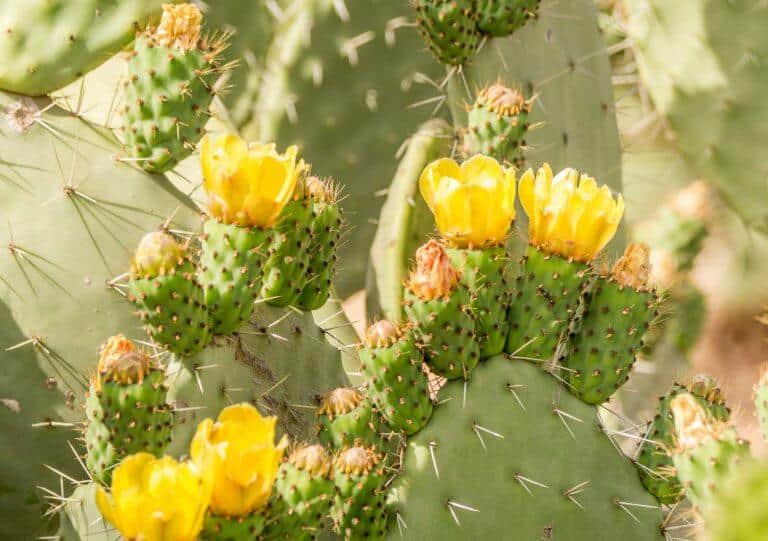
382, 334
473, 203
434, 275
248, 458
158, 253
156, 499
569, 215
121, 362
248, 184
179, 26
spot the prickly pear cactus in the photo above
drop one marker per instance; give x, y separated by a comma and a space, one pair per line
543, 452
709, 91
47, 44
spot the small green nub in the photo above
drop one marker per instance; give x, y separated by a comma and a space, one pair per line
450, 29
223, 528
347, 417
497, 124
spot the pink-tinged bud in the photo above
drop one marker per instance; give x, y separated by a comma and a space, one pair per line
434, 276
357, 460
340, 401
312, 459
633, 269
693, 202
120, 361
382, 334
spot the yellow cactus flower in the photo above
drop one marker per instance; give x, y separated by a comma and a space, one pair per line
569, 215
248, 458
473, 203
156, 499
248, 184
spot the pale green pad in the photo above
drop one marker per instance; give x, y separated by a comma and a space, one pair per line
490, 472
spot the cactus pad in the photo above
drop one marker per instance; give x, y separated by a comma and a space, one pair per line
450, 28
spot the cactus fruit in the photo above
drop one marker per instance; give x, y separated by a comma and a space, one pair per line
359, 510
544, 461
396, 382
500, 18
170, 300
221, 528
304, 493
450, 28
706, 451
346, 416
618, 312
173, 75
497, 123
438, 305
126, 408
654, 457
324, 230
46, 44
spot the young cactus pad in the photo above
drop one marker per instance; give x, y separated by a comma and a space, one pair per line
509, 442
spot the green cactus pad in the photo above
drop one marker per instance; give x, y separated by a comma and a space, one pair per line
167, 95
704, 470
739, 512
653, 458
221, 528
359, 510
444, 330
47, 44
546, 297
285, 270
761, 405
302, 499
449, 28
497, 124
124, 419
325, 234
606, 338
172, 308
231, 260
486, 273
504, 461
348, 422
397, 385
500, 18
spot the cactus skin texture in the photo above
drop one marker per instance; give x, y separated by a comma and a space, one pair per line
221, 528
709, 93
359, 510
656, 466
167, 96
500, 18
486, 274
303, 496
532, 444
172, 308
346, 416
449, 28
497, 124
547, 293
739, 511
126, 418
325, 230
611, 330
396, 383
761, 402
231, 260
46, 44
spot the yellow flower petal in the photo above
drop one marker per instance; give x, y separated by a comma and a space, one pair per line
569, 214
473, 203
